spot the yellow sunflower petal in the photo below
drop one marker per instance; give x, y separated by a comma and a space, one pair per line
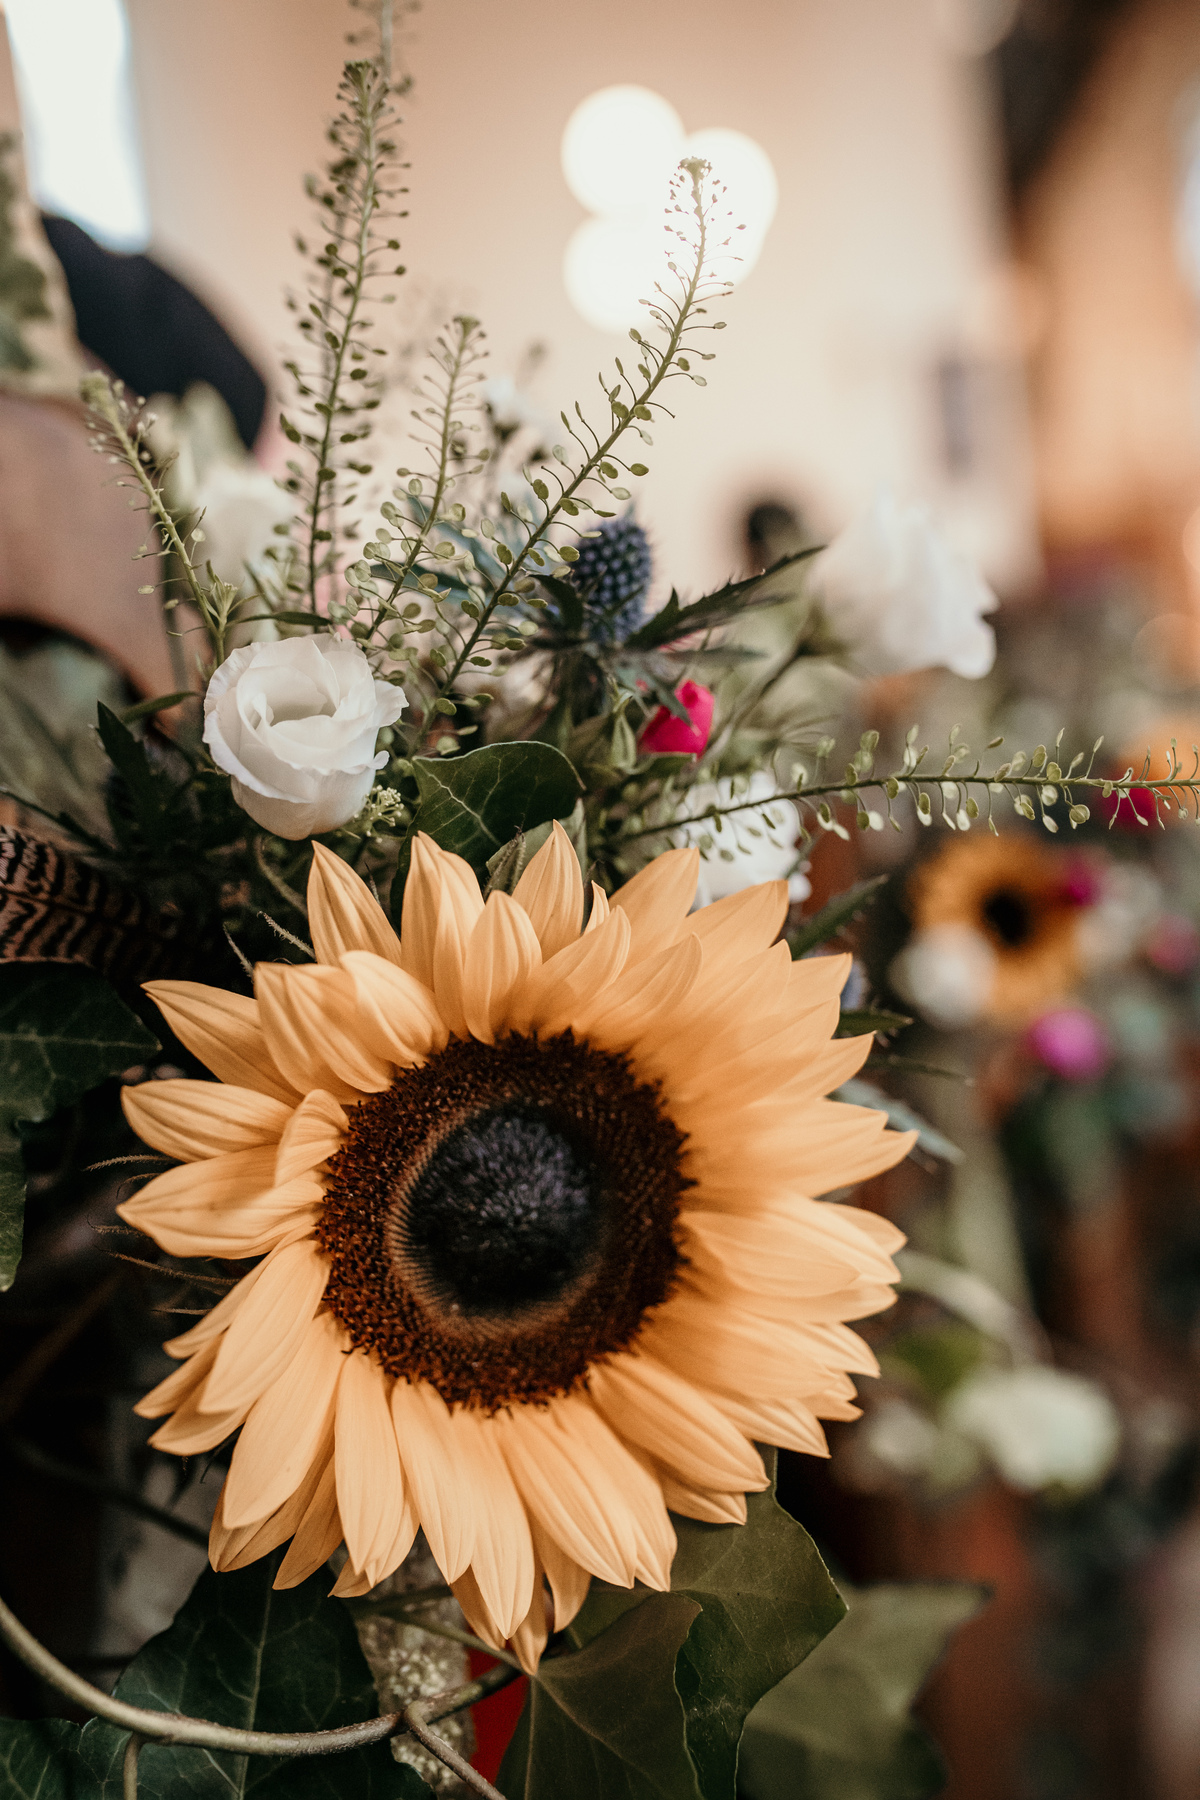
466, 1592
442, 904
310, 1017
788, 1424
502, 954
533, 1633
228, 1206
180, 1385
713, 1506
571, 980
735, 927
190, 1429
224, 1030
650, 1406
551, 892
502, 1561
214, 1323
286, 1426
267, 1330
733, 1351
235, 1549
317, 1536
658, 899
398, 1019
314, 1133
370, 1482
635, 1002
569, 1583
194, 1119
438, 1475
639, 1490
888, 1237
343, 914
596, 917
770, 1252
563, 1502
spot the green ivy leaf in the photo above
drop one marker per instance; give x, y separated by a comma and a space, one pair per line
62, 1031
838, 1727
857, 1022
651, 1704
244, 1655
476, 803
839, 912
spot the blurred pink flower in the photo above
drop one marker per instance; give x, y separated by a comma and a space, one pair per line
1071, 1042
1081, 882
665, 733
1173, 945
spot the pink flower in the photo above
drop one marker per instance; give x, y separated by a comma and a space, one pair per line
665, 732
1071, 1042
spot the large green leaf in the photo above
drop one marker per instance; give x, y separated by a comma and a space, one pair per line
839, 1727
473, 804
652, 1703
62, 1031
241, 1654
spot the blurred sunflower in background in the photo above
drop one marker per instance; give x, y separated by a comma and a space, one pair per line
996, 929
533, 1200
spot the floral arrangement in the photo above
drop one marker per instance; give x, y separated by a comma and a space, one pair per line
493, 1076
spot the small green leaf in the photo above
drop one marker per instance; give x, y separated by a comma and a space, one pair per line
857, 1022
474, 804
241, 1654
839, 912
148, 708
62, 1031
674, 621
838, 1727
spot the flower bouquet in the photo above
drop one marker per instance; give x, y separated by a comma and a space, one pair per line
443, 928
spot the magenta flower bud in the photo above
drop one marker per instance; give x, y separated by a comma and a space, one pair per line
665, 732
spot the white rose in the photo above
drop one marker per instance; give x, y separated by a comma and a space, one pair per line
295, 723
900, 597
738, 858
1041, 1427
242, 505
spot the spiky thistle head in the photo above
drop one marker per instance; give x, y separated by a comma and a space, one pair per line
613, 574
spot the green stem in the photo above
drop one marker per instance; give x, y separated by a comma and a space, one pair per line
592, 462
367, 119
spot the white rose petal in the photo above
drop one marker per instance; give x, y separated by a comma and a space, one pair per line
294, 723
900, 597
1040, 1426
769, 857
946, 972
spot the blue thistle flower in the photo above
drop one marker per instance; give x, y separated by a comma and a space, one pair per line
613, 573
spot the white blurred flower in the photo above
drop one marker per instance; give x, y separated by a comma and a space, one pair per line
946, 972
295, 725
900, 597
1042, 1427
242, 505
1123, 915
739, 859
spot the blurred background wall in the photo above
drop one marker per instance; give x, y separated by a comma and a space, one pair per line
876, 341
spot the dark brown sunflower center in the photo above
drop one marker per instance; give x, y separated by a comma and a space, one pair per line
503, 1217
1009, 916
506, 1212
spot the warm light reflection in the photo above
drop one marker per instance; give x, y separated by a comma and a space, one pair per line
72, 65
618, 151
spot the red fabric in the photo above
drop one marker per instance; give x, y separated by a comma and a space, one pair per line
495, 1718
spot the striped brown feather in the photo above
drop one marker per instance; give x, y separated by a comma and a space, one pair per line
54, 908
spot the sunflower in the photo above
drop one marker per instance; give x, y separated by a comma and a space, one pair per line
1023, 900
537, 1257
